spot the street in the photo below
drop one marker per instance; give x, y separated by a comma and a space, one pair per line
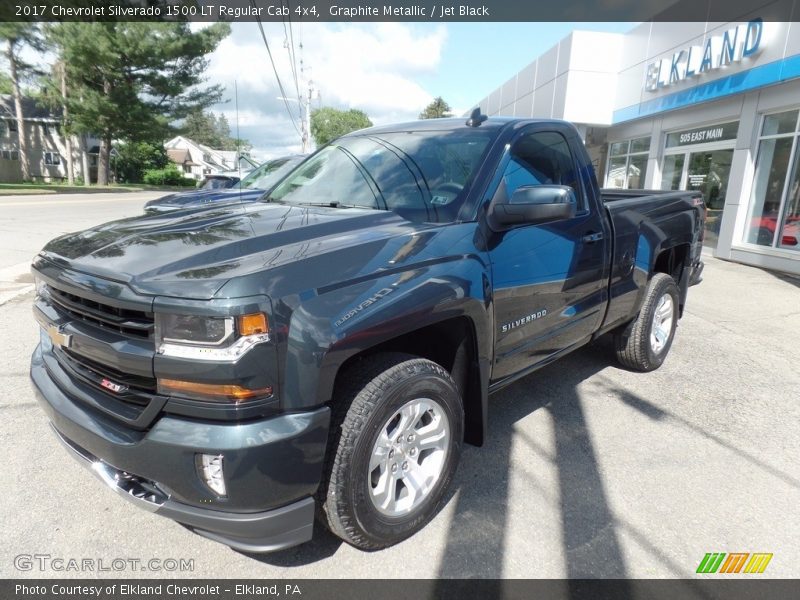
589, 470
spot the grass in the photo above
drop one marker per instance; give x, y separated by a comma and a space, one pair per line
13, 189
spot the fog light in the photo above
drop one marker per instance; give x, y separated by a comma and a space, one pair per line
210, 468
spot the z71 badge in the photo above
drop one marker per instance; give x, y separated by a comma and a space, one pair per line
506, 327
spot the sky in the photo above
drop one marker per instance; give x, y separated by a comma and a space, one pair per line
391, 71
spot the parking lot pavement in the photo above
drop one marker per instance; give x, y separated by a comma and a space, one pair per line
28, 222
588, 471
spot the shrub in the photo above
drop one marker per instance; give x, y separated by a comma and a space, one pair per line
169, 175
132, 159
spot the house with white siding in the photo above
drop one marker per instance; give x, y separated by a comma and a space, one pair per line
196, 160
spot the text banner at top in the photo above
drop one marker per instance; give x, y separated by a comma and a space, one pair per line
397, 10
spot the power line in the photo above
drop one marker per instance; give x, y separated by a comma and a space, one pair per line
290, 47
274, 70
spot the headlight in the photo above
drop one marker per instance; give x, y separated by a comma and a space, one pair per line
222, 339
196, 331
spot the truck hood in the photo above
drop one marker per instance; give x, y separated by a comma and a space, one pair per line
202, 198
192, 254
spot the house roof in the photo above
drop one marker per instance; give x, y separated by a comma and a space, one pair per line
179, 155
216, 159
31, 109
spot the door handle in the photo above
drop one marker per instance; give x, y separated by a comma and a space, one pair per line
591, 238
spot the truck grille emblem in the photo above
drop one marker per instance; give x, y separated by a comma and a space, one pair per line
114, 387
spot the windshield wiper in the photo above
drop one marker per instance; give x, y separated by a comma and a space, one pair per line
336, 204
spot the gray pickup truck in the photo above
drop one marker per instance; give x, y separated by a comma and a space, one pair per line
326, 351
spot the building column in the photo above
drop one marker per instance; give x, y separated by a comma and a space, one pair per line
740, 182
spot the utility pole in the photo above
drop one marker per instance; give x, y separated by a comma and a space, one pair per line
306, 134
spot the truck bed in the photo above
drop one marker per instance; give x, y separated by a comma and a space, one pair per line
644, 224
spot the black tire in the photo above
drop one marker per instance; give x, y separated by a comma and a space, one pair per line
370, 394
633, 343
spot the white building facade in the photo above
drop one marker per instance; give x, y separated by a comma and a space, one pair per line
713, 107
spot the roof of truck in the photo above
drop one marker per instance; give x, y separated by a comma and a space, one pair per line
448, 124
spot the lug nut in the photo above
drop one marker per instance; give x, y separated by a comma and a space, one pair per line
413, 452
399, 439
410, 438
391, 453
405, 465
394, 468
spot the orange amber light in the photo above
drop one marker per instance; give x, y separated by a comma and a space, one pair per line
201, 391
253, 324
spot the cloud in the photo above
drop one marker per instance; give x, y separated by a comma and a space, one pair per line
371, 67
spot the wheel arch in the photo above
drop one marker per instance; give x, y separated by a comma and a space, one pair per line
452, 343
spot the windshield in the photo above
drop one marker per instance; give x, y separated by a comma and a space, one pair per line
420, 175
268, 174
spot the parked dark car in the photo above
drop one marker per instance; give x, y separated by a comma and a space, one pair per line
328, 349
218, 182
249, 189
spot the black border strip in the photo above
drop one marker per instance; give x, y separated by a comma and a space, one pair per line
731, 588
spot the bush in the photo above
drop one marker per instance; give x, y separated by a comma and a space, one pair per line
132, 159
169, 175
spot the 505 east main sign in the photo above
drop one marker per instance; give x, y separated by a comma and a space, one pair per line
735, 44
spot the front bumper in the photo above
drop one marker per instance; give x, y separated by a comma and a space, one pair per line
273, 466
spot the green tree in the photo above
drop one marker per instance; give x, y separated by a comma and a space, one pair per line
15, 36
6, 86
201, 127
328, 123
437, 109
131, 80
135, 158
213, 131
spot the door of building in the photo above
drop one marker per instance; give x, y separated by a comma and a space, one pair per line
700, 160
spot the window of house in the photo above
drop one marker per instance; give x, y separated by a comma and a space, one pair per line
14, 155
52, 158
206, 158
2, 128
12, 125
6, 155
187, 169
48, 128
627, 164
774, 218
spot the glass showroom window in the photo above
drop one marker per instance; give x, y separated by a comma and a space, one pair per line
774, 218
627, 164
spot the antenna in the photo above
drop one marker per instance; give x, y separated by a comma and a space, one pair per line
476, 118
238, 138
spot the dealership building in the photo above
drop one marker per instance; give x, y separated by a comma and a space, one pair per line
713, 107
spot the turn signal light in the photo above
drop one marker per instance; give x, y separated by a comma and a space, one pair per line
210, 391
252, 324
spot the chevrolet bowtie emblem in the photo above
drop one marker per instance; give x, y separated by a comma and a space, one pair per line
58, 337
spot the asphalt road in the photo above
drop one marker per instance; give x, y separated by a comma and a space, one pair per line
589, 470
28, 222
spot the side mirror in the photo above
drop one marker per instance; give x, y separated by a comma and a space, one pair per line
531, 205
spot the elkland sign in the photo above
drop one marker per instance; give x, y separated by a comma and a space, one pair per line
740, 42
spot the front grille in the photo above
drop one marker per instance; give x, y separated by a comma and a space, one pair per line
134, 323
139, 388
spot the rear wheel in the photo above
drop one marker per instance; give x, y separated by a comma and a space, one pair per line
393, 452
645, 342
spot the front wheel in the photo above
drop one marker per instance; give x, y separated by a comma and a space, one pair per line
645, 342
394, 449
